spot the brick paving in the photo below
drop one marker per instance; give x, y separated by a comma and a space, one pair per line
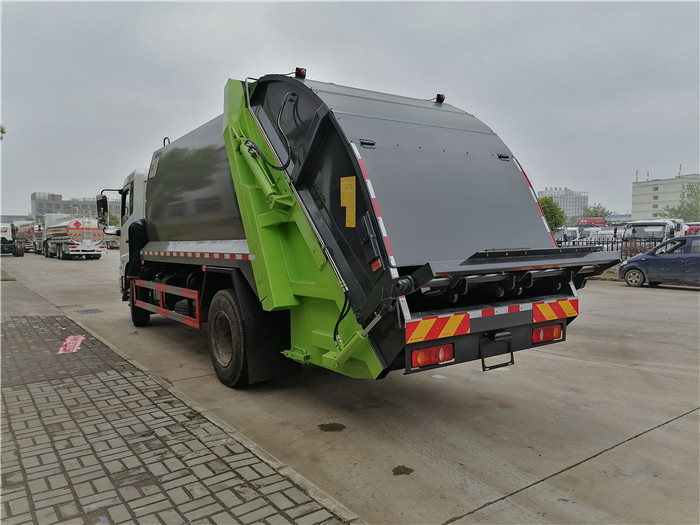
88, 438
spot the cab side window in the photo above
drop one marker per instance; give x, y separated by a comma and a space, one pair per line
695, 246
127, 203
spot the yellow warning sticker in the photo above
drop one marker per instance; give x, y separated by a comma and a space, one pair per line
347, 191
347, 200
350, 217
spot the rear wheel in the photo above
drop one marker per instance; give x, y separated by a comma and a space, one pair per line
227, 340
19, 251
634, 277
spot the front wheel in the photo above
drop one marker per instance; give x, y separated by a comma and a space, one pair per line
634, 278
227, 340
139, 316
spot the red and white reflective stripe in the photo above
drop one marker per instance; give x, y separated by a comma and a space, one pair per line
534, 196
500, 310
392, 270
203, 255
456, 324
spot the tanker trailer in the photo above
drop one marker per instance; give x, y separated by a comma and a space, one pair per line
314, 223
68, 238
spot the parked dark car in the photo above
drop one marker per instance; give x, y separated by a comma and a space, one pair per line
676, 261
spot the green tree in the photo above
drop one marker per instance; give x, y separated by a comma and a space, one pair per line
688, 208
2, 131
552, 213
597, 210
113, 219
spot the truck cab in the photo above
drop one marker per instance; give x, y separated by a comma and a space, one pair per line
132, 194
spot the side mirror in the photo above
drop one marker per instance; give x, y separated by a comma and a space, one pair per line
102, 211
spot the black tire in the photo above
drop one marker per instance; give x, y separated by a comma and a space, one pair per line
634, 278
139, 316
19, 251
227, 345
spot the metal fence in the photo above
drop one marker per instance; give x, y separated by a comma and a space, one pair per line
627, 248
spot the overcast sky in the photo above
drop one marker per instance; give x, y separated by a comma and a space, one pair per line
585, 94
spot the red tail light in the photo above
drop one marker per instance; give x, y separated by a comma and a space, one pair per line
547, 333
432, 355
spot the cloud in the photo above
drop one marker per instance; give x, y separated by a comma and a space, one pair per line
583, 93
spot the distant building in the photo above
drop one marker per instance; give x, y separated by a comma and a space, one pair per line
13, 218
43, 203
571, 202
649, 198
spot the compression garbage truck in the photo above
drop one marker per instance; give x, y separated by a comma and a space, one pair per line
362, 232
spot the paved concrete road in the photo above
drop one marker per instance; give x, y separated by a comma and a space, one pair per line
602, 428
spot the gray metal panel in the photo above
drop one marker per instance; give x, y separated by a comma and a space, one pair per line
226, 247
225, 254
442, 190
443, 193
190, 194
346, 100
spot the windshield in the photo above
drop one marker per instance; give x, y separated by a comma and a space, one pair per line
645, 232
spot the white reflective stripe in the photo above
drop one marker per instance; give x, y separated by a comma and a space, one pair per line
404, 308
546, 224
370, 188
381, 226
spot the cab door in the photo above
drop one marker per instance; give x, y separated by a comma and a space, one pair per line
691, 261
667, 262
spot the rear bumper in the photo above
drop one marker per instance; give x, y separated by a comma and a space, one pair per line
488, 332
